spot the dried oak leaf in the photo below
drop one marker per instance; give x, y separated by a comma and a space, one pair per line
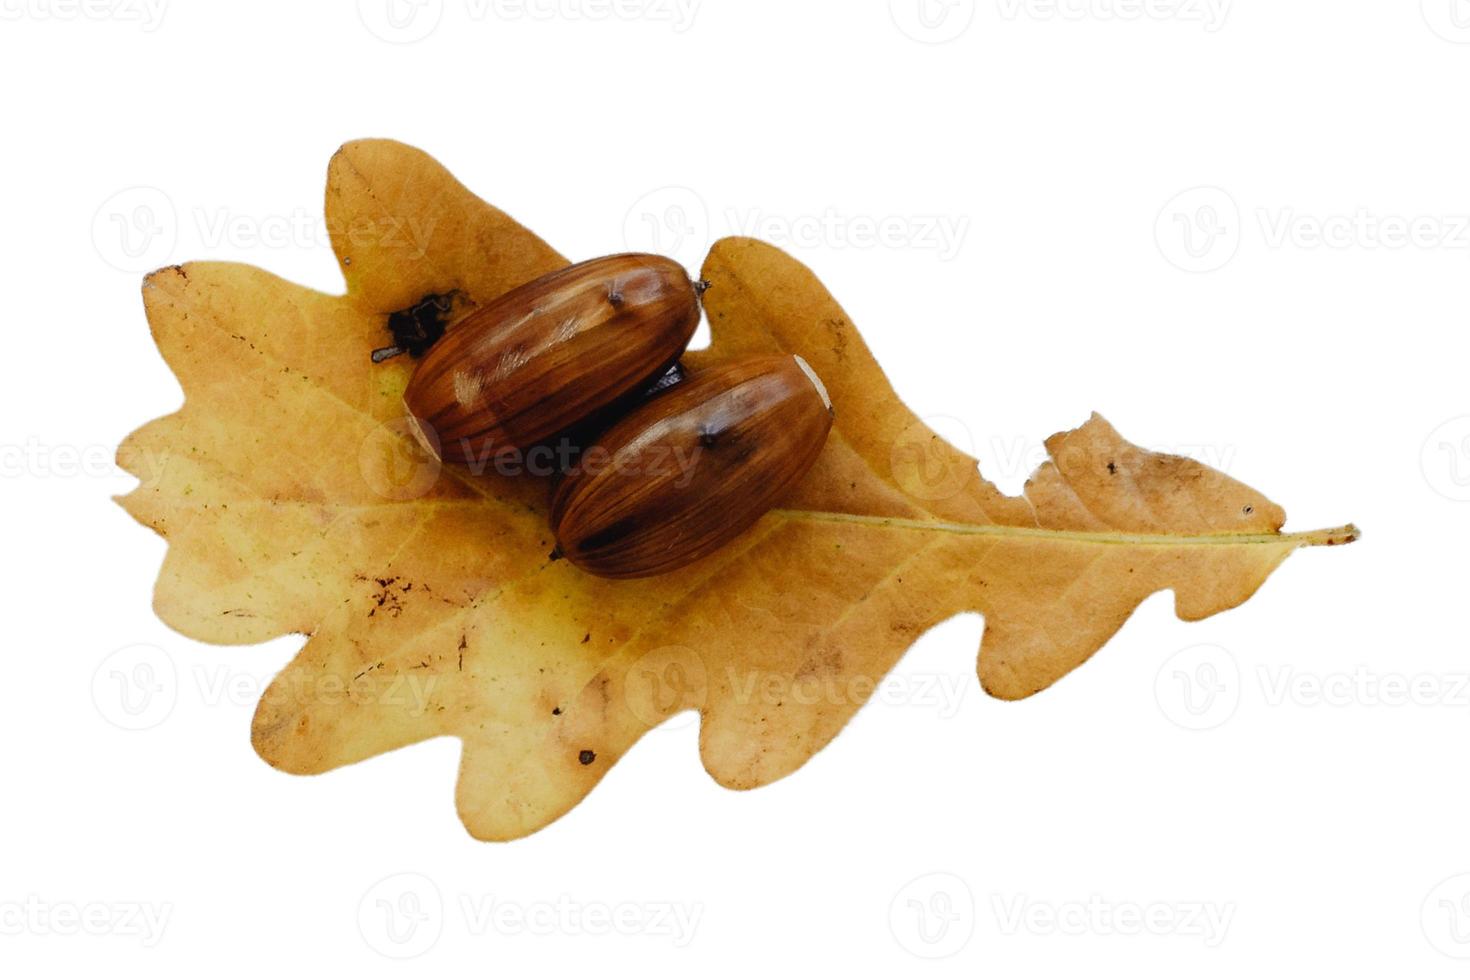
295, 502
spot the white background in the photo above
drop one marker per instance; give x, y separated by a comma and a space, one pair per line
1300, 322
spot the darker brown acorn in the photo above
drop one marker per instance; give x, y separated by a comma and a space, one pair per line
692, 468
550, 354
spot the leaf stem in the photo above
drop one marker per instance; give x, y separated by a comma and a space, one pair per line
1325, 537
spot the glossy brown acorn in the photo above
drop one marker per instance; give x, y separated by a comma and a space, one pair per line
692, 468
548, 354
